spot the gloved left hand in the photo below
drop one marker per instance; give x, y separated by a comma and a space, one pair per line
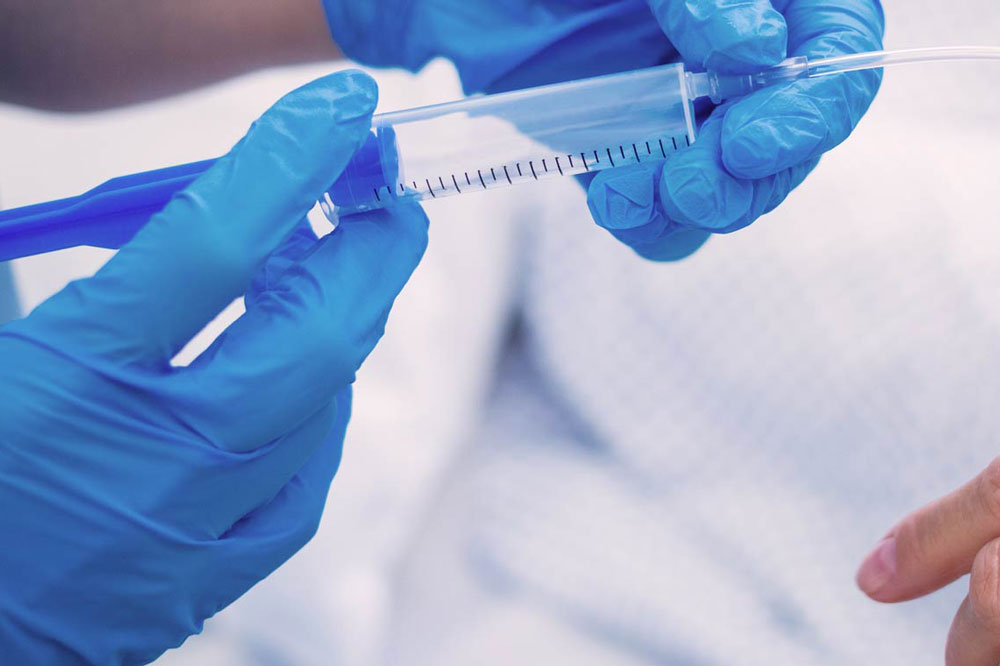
138, 499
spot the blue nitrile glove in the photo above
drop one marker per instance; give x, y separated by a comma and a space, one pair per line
752, 152
138, 499
501, 45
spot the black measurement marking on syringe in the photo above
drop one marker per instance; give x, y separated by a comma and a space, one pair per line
377, 197
687, 140
608, 151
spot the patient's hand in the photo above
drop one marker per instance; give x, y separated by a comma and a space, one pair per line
956, 535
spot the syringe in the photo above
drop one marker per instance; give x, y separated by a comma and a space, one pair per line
562, 129
480, 143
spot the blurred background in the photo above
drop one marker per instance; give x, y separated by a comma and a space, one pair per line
564, 454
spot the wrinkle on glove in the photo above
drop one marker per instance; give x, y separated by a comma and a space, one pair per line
138, 498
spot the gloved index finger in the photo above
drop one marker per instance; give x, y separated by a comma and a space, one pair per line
724, 35
778, 128
202, 251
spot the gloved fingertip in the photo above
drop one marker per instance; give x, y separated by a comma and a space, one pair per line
725, 36
675, 246
353, 94
752, 43
623, 199
762, 137
698, 194
750, 155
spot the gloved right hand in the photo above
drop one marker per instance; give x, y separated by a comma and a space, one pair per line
752, 152
137, 499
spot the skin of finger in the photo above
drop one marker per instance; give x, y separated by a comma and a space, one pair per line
724, 35
773, 129
302, 341
974, 638
201, 252
938, 543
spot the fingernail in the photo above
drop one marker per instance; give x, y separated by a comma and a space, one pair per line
878, 568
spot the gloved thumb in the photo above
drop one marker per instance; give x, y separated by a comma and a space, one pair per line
724, 35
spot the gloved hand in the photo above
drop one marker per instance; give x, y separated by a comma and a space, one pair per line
137, 498
751, 152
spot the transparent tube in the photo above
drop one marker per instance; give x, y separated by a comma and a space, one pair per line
497, 141
877, 59
720, 87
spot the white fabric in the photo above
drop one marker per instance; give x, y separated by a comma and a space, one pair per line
686, 463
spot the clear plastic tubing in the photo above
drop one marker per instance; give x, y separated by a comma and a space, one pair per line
496, 141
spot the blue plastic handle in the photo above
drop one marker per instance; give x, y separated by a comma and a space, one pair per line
107, 216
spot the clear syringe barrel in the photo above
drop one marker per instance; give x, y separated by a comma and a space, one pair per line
496, 141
